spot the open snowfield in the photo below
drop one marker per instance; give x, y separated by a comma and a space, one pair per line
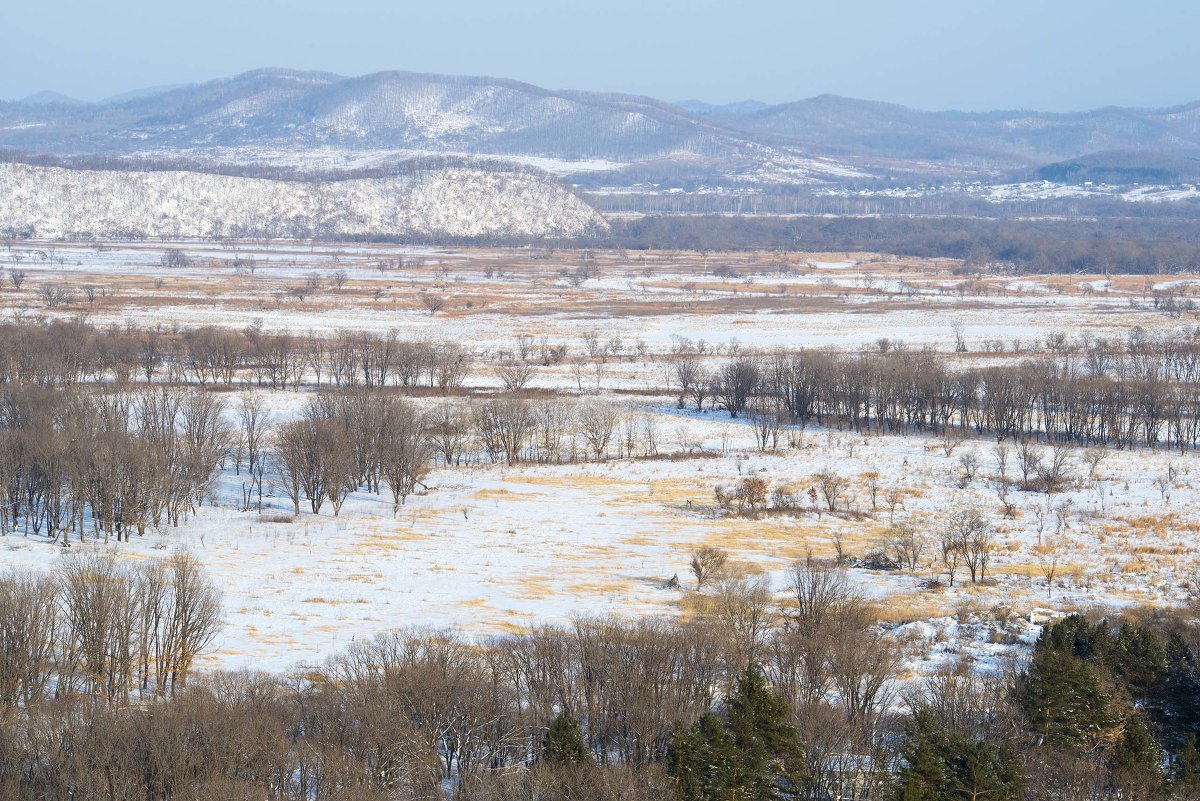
491, 548
493, 297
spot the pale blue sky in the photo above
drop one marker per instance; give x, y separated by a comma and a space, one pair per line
1054, 55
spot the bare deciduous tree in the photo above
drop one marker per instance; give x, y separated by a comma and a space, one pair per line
832, 488
707, 563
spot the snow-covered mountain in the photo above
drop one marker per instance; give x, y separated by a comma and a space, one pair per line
283, 108
299, 118
444, 203
277, 115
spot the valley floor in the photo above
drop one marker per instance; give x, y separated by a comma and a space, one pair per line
491, 548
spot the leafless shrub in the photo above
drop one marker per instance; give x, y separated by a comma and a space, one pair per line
433, 302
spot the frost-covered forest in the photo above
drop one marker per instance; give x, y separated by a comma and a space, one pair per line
445, 203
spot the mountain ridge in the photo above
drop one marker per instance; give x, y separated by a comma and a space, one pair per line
279, 115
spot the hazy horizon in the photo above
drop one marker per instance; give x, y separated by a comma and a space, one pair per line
928, 54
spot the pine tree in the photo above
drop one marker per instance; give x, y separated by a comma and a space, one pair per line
1186, 768
1176, 698
980, 770
754, 755
770, 746
1138, 657
941, 766
1137, 760
1062, 693
923, 773
703, 760
563, 744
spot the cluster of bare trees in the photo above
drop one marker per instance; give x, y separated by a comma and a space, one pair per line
104, 629
1092, 242
413, 713
1145, 391
124, 460
342, 441
282, 360
111, 460
69, 352
514, 429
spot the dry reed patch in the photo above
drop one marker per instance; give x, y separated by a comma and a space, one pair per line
505, 494
1037, 570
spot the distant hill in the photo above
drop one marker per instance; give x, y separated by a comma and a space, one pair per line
443, 204
139, 94
1122, 167
47, 98
843, 127
284, 108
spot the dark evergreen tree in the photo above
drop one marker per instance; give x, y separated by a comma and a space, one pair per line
753, 755
1137, 656
1061, 692
703, 759
942, 766
923, 772
981, 770
1176, 698
564, 744
1185, 771
1137, 761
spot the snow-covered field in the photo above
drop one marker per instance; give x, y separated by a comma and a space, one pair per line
492, 548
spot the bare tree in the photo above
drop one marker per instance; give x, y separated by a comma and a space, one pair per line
29, 629
907, 546
968, 465
832, 487
735, 382
742, 609
175, 259
514, 375
403, 449
1000, 459
1029, 458
195, 615
1094, 457
448, 427
505, 426
894, 498
1049, 555
973, 539
707, 563
1055, 473
765, 416
597, 422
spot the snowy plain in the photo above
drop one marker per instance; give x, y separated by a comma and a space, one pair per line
490, 549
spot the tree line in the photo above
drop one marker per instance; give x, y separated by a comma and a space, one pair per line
750, 699
1142, 392
63, 352
1120, 244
